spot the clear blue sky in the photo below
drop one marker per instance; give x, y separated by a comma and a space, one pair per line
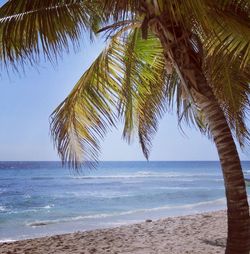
26, 101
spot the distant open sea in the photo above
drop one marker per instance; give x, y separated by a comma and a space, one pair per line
42, 198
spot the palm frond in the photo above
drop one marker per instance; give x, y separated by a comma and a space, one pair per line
86, 114
222, 25
231, 32
125, 77
180, 102
143, 88
30, 28
121, 10
231, 87
131, 78
151, 106
150, 89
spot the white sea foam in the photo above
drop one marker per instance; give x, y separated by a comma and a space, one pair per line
48, 206
2, 208
23, 211
212, 203
186, 188
32, 210
77, 218
98, 194
7, 240
217, 202
145, 174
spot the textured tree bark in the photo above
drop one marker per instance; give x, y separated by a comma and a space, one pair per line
189, 68
238, 240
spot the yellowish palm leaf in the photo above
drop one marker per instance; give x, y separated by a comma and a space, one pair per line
100, 96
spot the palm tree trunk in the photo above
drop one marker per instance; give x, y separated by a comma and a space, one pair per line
189, 67
238, 240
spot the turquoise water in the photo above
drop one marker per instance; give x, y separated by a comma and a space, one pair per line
41, 198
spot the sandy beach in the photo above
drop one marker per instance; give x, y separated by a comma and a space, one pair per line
196, 234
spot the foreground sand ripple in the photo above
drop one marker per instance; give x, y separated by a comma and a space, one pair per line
196, 234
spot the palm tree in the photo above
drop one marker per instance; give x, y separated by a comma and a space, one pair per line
192, 56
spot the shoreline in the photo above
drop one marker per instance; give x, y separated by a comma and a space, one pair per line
197, 233
45, 228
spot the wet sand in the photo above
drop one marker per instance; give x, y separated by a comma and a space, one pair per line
194, 234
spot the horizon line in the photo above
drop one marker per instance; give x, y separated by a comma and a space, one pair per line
118, 161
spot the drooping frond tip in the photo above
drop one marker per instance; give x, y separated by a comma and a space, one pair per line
83, 118
119, 79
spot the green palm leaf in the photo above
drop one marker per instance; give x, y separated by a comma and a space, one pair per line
143, 88
129, 79
231, 87
86, 114
29, 28
232, 32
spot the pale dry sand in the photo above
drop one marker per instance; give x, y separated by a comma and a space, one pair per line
194, 234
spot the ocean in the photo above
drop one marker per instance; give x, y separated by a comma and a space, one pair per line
42, 198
